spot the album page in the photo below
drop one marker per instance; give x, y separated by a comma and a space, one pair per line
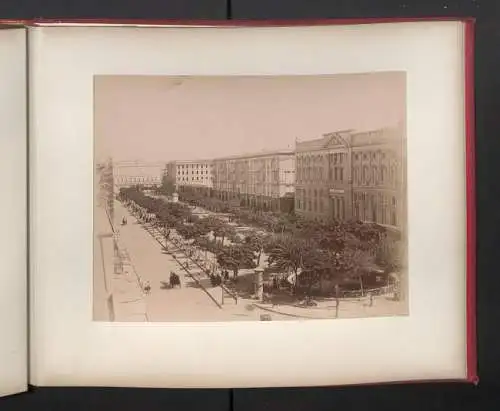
248, 206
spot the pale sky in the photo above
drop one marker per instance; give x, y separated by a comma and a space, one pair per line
162, 118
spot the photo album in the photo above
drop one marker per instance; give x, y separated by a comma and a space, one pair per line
237, 204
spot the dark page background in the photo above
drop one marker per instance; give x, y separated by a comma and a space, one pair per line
439, 396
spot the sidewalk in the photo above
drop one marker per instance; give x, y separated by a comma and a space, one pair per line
117, 294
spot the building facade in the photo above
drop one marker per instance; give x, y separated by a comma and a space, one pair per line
322, 189
128, 181
261, 180
353, 175
195, 173
130, 173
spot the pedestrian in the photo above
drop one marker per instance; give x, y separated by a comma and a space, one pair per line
275, 283
147, 287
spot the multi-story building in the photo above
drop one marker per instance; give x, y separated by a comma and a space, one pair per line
130, 173
262, 180
193, 173
322, 189
353, 175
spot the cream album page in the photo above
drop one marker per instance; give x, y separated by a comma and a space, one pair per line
223, 207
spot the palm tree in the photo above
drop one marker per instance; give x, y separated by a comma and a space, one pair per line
235, 257
356, 263
223, 231
288, 254
257, 243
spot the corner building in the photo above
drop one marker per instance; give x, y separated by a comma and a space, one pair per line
191, 173
353, 175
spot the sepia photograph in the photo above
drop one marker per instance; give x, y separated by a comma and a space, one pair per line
250, 198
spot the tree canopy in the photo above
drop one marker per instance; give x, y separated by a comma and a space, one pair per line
333, 250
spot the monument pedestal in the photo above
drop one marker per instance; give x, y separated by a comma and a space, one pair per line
259, 283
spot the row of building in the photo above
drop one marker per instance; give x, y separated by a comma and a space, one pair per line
342, 175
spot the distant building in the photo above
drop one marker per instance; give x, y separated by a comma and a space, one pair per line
353, 175
130, 173
261, 180
105, 187
197, 173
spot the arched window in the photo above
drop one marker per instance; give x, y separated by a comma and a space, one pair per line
374, 208
383, 174
393, 211
364, 206
366, 176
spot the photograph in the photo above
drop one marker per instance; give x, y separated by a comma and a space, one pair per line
250, 198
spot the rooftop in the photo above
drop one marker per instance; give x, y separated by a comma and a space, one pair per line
345, 138
266, 153
189, 161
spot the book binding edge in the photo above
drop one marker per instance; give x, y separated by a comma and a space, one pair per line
470, 163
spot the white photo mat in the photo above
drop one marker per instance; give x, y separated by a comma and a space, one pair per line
67, 348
